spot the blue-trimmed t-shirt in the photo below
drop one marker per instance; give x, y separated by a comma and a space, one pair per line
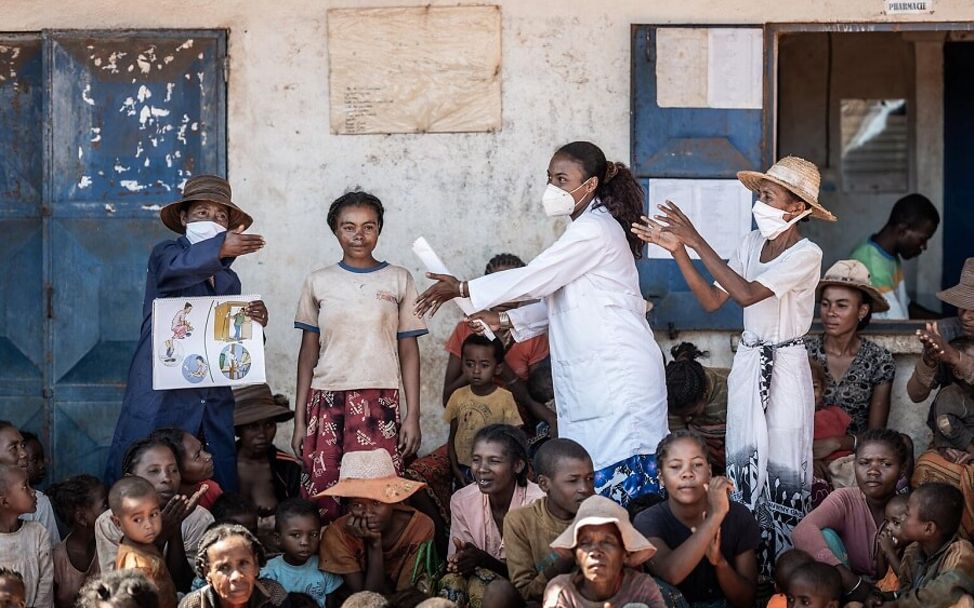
359, 316
306, 578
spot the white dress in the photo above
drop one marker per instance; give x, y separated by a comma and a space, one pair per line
610, 388
769, 437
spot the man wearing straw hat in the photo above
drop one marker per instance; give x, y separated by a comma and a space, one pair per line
773, 276
195, 264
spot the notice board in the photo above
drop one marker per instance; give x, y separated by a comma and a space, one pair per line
415, 69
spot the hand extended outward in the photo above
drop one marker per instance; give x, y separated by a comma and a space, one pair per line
935, 348
237, 243
178, 509
445, 289
257, 311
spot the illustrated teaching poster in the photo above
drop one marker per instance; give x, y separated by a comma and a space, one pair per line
199, 342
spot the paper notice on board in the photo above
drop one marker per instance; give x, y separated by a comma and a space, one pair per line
415, 69
434, 264
709, 67
720, 209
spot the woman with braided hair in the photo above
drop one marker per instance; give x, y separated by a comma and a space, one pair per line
607, 369
696, 397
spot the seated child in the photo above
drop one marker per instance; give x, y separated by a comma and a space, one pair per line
24, 545
478, 404
477, 512
298, 534
13, 594
13, 452
195, 465
937, 570
137, 511
784, 567
78, 502
706, 543
608, 551
815, 585
375, 546
831, 422
36, 461
697, 399
566, 476
120, 589
891, 543
267, 475
234, 508
154, 460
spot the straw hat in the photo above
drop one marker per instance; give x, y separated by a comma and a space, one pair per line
210, 188
962, 294
597, 510
255, 403
371, 474
853, 273
796, 175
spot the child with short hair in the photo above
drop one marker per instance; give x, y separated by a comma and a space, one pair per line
706, 543
298, 531
480, 403
13, 452
784, 568
235, 508
136, 510
937, 570
358, 345
119, 589
78, 502
891, 543
24, 545
36, 461
815, 585
376, 546
13, 594
608, 550
195, 464
567, 477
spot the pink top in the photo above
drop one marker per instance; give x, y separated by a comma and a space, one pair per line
845, 511
471, 520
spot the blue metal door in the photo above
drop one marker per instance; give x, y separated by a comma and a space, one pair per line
687, 143
129, 117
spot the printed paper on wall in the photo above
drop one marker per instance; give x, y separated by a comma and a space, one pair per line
720, 209
200, 342
415, 70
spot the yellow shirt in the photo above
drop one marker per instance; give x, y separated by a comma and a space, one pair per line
473, 412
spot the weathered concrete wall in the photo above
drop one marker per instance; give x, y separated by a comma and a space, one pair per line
566, 70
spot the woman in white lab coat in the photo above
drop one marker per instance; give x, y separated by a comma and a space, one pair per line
610, 390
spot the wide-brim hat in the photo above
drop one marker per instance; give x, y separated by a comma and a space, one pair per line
599, 510
962, 294
255, 403
210, 188
855, 275
796, 175
371, 474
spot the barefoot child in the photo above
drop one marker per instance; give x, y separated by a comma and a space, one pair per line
78, 502
706, 543
608, 551
137, 512
298, 528
480, 403
24, 545
375, 546
358, 345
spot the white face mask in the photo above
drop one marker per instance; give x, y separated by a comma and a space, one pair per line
771, 222
558, 202
202, 231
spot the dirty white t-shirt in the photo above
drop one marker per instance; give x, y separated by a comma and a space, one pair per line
792, 276
360, 315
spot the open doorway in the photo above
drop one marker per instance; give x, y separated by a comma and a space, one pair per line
883, 112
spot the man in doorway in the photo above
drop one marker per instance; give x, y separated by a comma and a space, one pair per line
911, 223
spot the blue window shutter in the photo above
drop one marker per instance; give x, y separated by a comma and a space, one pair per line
686, 143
